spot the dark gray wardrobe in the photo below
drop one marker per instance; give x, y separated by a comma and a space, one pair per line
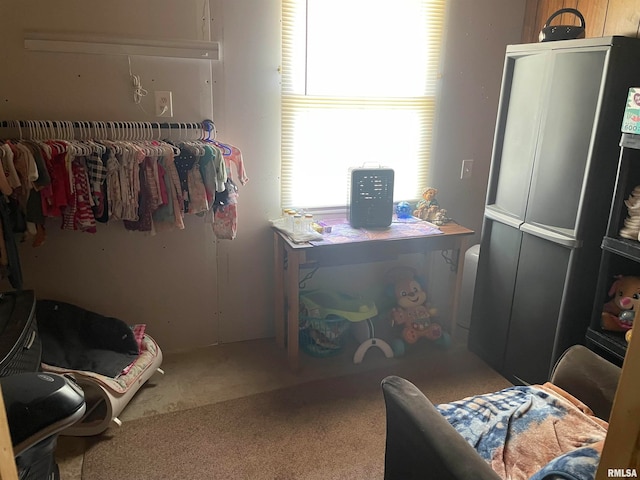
553, 170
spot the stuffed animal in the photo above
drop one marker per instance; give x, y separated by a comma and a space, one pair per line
618, 313
412, 312
428, 207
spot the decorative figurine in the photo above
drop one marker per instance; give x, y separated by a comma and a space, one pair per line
403, 210
428, 208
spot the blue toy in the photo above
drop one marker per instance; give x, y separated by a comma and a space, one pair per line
403, 210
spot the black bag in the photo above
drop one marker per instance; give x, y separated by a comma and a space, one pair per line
550, 33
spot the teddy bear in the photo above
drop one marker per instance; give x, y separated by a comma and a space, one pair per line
412, 312
618, 313
428, 207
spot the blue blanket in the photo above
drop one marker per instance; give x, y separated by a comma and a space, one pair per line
531, 432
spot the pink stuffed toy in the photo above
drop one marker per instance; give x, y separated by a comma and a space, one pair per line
618, 313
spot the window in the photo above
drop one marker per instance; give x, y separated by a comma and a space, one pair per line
358, 87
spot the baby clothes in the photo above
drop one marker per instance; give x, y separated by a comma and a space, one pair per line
145, 205
97, 174
235, 158
78, 214
170, 212
225, 218
142, 183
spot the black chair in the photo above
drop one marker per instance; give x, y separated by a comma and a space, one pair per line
421, 444
39, 406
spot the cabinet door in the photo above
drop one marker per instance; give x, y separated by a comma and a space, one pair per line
565, 139
539, 287
516, 132
495, 280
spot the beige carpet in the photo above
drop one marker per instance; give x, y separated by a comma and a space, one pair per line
326, 429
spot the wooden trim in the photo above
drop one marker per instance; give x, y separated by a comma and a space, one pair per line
529, 32
8, 469
623, 18
595, 14
602, 17
278, 269
621, 449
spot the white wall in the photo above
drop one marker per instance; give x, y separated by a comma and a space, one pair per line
190, 289
476, 36
251, 96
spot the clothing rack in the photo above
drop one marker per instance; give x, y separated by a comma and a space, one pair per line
112, 130
148, 175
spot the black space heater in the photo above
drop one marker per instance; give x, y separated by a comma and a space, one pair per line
370, 197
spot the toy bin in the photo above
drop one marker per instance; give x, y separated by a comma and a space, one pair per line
325, 319
323, 337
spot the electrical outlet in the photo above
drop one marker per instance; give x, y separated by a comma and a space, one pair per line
164, 104
467, 169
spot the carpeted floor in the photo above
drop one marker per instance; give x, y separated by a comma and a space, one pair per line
325, 429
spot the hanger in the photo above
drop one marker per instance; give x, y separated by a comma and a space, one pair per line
211, 128
17, 124
195, 147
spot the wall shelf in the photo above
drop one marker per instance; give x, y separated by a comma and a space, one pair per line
620, 256
621, 246
103, 45
613, 343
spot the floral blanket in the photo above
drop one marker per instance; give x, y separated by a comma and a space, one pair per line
531, 432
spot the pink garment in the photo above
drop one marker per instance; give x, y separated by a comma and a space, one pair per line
235, 157
78, 214
197, 194
176, 191
225, 222
153, 181
56, 196
164, 197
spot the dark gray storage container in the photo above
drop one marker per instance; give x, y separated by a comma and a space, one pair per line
552, 176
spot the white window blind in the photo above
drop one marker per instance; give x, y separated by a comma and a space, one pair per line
358, 87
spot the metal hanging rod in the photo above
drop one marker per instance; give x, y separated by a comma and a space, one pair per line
204, 124
40, 128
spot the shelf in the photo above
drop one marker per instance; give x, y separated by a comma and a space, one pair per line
101, 45
621, 246
630, 140
612, 342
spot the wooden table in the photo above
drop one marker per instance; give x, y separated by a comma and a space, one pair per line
289, 257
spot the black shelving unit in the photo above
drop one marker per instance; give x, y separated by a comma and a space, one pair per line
620, 256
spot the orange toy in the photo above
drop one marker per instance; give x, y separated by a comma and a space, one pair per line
412, 310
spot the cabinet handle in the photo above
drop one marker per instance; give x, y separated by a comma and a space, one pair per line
550, 235
32, 338
504, 218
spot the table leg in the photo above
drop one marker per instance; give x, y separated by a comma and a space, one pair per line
462, 248
293, 305
279, 293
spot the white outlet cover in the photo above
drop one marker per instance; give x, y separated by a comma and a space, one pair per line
467, 169
164, 103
